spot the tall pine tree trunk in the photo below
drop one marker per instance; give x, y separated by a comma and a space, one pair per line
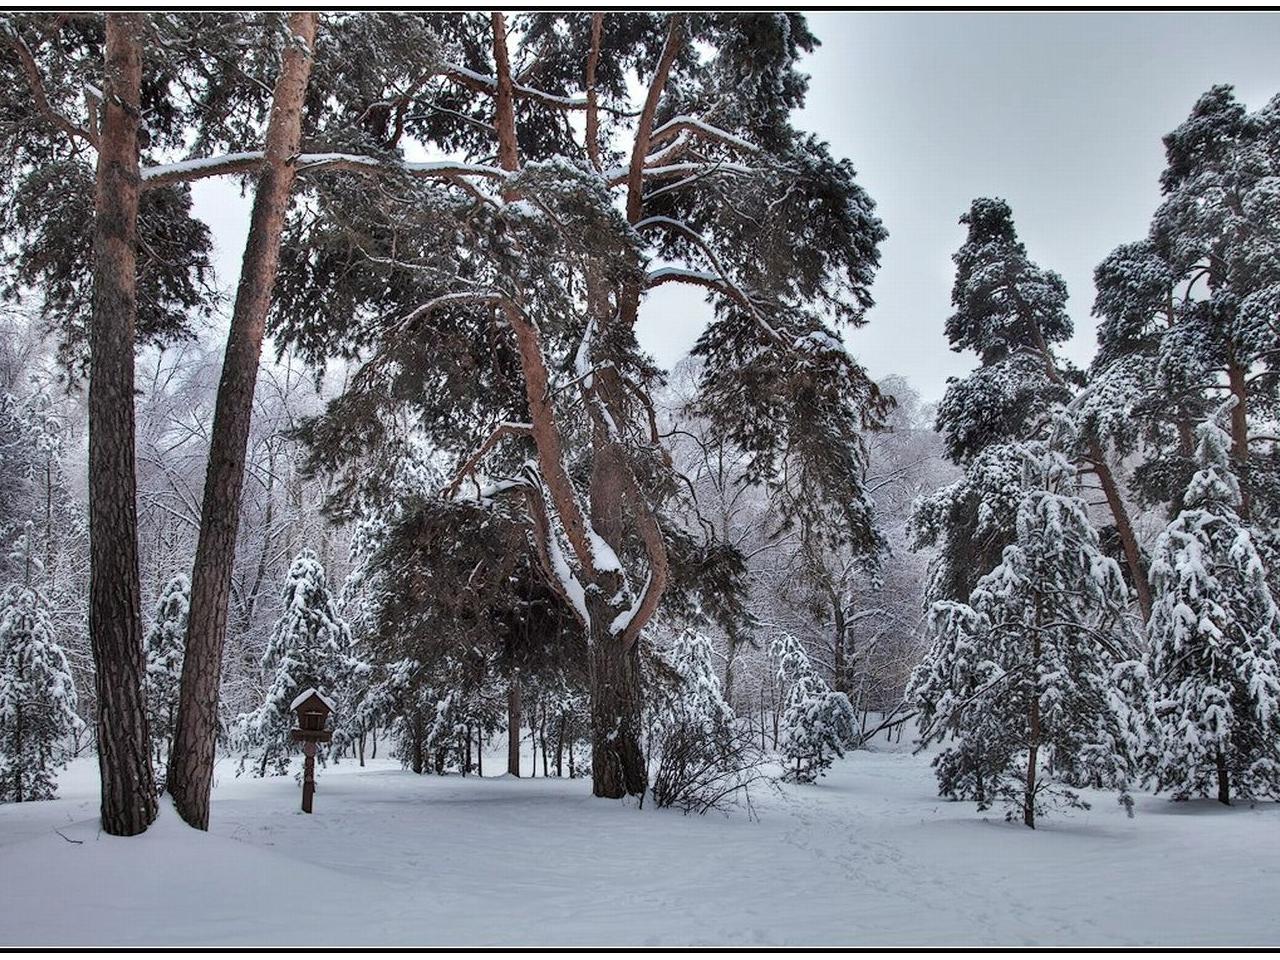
115, 622
191, 764
617, 761
1224, 780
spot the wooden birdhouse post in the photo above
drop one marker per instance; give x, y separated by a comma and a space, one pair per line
312, 708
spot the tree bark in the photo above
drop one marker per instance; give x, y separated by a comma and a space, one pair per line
418, 762
1033, 729
115, 621
1128, 539
1224, 780
191, 763
617, 762
841, 629
513, 724
1240, 433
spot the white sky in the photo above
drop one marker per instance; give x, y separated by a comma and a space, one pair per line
1059, 113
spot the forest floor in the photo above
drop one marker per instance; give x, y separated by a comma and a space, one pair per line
868, 856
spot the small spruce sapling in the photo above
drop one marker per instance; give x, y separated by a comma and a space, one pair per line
37, 694
164, 646
310, 647
817, 722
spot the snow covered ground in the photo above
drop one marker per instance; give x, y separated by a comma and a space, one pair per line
868, 856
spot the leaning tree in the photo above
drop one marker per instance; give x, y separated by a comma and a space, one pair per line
494, 298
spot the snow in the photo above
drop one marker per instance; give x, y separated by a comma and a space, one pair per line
867, 856
301, 698
185, 168
685, 121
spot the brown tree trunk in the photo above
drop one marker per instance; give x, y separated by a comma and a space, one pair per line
1128, 539
115, 621
1240, 433
1224, 780
513, 724
617, 762
1115, 500
191, 763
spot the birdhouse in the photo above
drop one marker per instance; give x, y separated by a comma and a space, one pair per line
312, 709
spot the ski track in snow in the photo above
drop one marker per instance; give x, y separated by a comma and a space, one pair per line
869, 856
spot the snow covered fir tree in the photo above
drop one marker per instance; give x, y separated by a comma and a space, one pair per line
1214, 649
164, 645
38, 708
310, 648
1024, 675
582, 403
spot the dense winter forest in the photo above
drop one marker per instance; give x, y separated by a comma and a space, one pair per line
419, 461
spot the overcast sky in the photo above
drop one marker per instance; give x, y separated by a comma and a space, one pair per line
1059, 113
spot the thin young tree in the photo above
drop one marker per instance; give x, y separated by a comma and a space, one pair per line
164, 646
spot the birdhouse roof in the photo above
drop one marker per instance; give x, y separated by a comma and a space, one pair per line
306, 695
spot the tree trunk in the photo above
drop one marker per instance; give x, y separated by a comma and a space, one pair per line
1033, 730
542, 737
1128, 539
191, 763
838, 639
115, 621
1240, 433
1224, 780
513, 724
617, 762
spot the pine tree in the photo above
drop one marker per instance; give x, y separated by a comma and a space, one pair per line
1190, 312
1214, 649
37, 694
309, 648
164, 646
508, 294
1024, 674
1011, 313
817, 722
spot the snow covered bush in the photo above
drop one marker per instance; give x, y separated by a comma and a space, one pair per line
310, 647
817, 722
1025, 676
1214, 652
37, 695
164, 646
704, 762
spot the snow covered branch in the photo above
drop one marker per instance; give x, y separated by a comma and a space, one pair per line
468, 468
185, 171
483, 83
684, 123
